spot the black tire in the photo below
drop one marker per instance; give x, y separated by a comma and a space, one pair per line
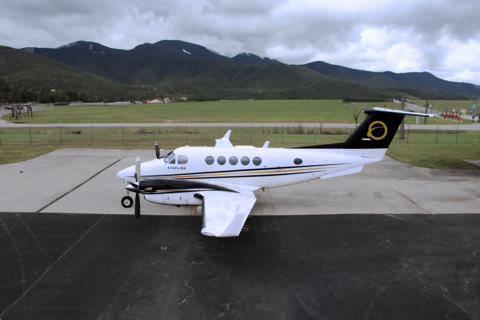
127, 202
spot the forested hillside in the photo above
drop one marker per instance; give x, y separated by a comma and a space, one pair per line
198, 78
177, 68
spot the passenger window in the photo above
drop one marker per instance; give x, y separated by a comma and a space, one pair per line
297, 161
221, 160
257, 161
245, 161
172, 161
182, 159
209, 160
233, 160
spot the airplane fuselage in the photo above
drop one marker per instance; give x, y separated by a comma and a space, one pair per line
246, 166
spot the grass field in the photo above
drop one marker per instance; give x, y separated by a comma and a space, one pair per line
423, 147
259, 111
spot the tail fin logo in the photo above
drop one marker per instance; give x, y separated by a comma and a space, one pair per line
375, 125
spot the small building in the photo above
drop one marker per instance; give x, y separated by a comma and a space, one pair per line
183, 99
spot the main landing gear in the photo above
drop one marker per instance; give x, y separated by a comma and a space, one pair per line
127, 202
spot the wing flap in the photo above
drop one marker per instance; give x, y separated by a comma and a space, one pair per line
224, 213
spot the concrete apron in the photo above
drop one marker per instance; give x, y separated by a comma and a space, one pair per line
84, 181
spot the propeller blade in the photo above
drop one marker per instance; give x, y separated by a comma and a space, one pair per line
157, 150
137, 169
137, 206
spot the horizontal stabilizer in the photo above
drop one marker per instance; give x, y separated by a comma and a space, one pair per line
343, 173
404, 112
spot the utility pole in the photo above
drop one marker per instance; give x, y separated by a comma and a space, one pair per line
402, 125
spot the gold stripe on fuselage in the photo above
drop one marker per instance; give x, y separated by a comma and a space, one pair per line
234, 174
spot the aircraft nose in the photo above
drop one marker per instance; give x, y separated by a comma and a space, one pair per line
125, 173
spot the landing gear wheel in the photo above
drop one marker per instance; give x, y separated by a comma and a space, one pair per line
127, 202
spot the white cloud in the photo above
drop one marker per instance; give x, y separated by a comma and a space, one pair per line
439, 36
463, 60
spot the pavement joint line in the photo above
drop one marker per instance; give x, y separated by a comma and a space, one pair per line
51, 266
81, 184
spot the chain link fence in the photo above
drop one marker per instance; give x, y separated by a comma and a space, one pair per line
171, 137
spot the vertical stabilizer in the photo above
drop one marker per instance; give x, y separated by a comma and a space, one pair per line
374, 135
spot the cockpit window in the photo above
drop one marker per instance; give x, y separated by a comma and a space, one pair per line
172, 161
169, 156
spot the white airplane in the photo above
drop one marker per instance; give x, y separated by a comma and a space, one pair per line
222, 179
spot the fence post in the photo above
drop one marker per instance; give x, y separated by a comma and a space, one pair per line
218, 131
282, 133
251, 134
186, 132
30, 132
314, 133
123, 139
60, 134
456, 136
154, 133
436, 138
91, 134
408, 133
345, 130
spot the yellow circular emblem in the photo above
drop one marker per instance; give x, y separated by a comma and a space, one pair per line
379, 126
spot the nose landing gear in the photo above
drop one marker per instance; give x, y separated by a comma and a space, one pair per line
127, 202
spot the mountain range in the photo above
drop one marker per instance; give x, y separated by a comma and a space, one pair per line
172, 67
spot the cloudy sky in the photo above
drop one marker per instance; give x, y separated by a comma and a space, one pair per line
439, 36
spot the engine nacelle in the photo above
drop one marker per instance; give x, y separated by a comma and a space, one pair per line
177, 199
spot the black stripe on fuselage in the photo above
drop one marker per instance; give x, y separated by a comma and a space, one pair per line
260, 169
247, 176
239, 171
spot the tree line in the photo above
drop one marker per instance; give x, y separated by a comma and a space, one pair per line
13, 94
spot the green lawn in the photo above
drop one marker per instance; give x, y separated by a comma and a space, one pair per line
258, 111
423, 147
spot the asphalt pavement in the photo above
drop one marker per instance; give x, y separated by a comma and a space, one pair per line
77, 266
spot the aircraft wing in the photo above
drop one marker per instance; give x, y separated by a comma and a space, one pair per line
224, 213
